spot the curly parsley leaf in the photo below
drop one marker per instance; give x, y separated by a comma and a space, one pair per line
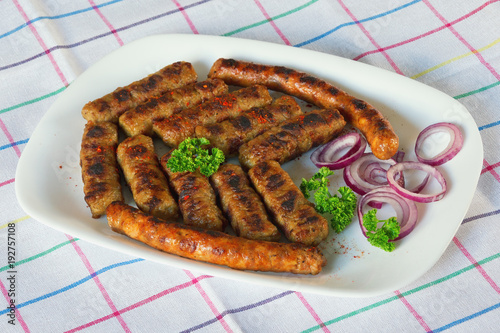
190, 156
380, 236
340, 207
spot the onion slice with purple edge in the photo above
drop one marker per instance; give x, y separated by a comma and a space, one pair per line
367, 173
418, 197
406, 210
324, 156
454, 146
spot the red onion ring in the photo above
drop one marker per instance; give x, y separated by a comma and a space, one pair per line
400, 167
365, 174
406, 210
451, 150
324, 155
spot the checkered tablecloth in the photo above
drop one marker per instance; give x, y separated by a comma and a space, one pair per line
63, 283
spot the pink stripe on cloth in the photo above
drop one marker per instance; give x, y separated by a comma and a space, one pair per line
110, 26
141, 303
10, 138
42, 44
455, 32
19, 318
7, 182
427, 33
391, 62
415, 314
312, 312
268, 18
209, 302
475, 263
99, 284
188, 20
490, 169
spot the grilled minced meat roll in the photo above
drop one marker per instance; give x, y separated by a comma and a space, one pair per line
149, 186
291, 211
177, 128
292, 138
242, 205
101, 179
230, 134
139, 120
111, 106
196, 198
213, 246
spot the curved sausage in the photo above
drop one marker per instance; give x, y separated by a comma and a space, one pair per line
378, 131
214, 246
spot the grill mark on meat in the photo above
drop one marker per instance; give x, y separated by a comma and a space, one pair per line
95, 169
275, 182
122, 95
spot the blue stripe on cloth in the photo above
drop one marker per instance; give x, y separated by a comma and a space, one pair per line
17, 143
73, 285
356, 22
57, 17
467, 318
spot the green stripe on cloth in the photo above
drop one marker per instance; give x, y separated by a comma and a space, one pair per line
272, 19
32, 101
406, 293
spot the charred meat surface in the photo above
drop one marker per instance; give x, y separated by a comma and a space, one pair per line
230, 134
214, 246
291, 211
242, 205
378, 131
149, 186
177, 128
139, 120
110, 106
292, 138
100, 175
196, 198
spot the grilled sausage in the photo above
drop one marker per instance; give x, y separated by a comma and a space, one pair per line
213, 246
375, 127
242, 205
149, 186
101, 179
292, 212
111, 106
139, 120
177, 128
230, 134
196, 198
292, 138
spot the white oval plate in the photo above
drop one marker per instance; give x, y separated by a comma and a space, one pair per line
49, 186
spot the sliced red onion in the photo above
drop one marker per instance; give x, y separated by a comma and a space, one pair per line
400, 167
367, 173
451, 150
324, 156
406, 210
399, 156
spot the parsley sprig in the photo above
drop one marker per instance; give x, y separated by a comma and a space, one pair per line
380, 236
190, 156
340, 207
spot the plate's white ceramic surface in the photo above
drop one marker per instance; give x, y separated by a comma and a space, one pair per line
49, 187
